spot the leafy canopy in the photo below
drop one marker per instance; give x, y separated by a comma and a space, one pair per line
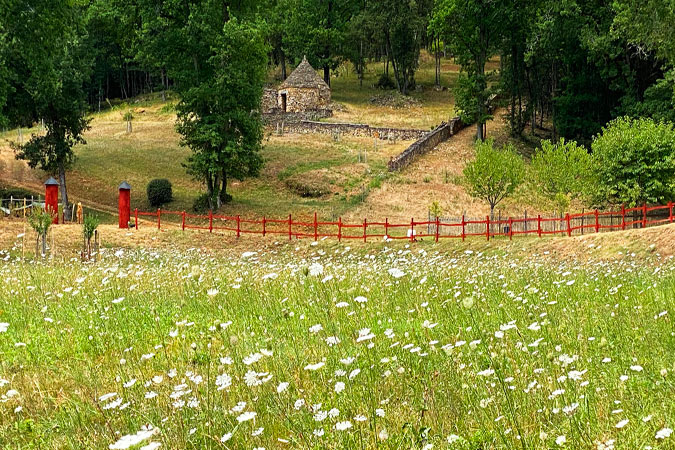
218, 115
562, 171
494, 174
635, 160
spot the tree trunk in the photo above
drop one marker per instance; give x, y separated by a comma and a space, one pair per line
326, 74
224, 196
64, 190
163, 85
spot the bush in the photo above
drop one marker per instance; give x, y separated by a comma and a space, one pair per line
159, 192
385, 82
562, 172
635, 160
201, 204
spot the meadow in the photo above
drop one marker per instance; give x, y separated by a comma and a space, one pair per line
327, 346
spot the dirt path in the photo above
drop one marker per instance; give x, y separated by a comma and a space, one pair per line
432, 177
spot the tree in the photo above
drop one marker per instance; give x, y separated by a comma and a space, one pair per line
218, 115
635, 160
404, 26
473, 29
494, 174
562, 171
317, 31
52, 65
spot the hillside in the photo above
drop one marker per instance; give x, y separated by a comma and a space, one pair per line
297, 167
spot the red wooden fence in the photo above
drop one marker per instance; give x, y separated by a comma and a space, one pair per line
567, 225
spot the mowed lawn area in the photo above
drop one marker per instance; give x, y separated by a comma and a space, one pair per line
329, 347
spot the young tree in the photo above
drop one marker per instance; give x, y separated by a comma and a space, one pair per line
473, 29
562, 172
635, 160
494, 174
218, 115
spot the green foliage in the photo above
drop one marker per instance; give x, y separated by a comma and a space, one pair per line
635, 160
658, 101
562, 172
494, 174
89, 225
40, 220
435, 209
218, 116
49, 63
128, 116
385, 82
201, 204
159, 192
472, 29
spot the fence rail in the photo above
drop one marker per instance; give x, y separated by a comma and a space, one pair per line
436, 228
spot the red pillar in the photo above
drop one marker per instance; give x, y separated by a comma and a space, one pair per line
52, 198
124, 205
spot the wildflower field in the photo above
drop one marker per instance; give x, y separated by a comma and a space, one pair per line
402, 348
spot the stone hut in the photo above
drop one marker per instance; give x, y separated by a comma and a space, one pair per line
303, 91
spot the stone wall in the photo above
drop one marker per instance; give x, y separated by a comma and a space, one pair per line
269, 102
425, 144
275, 119
305, 99
348, 129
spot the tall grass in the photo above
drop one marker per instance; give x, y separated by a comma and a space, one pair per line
336, 349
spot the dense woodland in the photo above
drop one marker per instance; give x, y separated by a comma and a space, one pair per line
570, 65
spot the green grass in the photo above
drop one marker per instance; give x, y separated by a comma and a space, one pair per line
504, 353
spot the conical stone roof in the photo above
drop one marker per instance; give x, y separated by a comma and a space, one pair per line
304, 76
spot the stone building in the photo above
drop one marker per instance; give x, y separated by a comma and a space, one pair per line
304, 91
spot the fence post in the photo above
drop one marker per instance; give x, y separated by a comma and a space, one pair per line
159, 219
463, 228
210, 221
644, 215
438, 226
290, 227
525, 216
670, 212
569, 226
539, 225
264, 226
316, 227
365, 226
510, 228
136, 218
238, 226
412, 229
339, 229
487, 227
183, 221
597, 221
386, 227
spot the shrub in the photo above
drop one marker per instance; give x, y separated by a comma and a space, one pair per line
40, 220
159, 192
562, 172
89, 225
635, 161
385, 82
201, 204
